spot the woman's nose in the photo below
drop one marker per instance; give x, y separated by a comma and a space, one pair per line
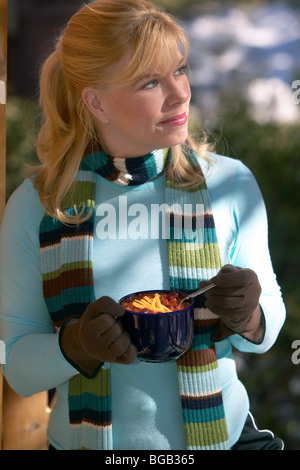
178, 92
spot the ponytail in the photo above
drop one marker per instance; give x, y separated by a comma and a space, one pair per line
62, 138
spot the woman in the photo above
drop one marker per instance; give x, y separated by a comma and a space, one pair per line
116, 97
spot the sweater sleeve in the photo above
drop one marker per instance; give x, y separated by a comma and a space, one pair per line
33, 361
251, 250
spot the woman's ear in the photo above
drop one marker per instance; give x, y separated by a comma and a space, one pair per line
91, 98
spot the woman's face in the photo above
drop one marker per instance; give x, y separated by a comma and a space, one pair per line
134, 120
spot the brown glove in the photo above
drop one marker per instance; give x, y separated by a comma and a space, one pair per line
97, 337
235, 300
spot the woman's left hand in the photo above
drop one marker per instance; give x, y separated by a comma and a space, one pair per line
235, 300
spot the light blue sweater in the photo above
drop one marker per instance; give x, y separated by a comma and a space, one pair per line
145, 400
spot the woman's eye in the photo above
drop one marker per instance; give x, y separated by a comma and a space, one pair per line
182, 70
150, 85
153, 83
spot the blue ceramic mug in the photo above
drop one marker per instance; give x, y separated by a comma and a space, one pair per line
159, 337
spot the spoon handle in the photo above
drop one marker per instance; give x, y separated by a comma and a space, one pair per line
197, 292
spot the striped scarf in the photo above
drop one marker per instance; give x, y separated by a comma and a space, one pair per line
67, 269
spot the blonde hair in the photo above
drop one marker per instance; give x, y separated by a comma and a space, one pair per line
96, 37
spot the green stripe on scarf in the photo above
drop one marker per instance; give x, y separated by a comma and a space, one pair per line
67, 268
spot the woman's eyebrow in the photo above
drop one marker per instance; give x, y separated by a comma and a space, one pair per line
150, 75
156, 75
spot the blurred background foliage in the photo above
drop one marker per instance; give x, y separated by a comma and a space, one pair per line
271, 151
22, 125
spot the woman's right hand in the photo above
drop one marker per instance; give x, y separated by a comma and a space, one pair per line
97, 337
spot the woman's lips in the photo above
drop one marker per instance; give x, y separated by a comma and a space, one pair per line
176, 120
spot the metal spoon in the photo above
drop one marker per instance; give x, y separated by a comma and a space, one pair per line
197, 292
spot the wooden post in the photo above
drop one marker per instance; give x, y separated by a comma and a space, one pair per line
3, 81
23, 421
